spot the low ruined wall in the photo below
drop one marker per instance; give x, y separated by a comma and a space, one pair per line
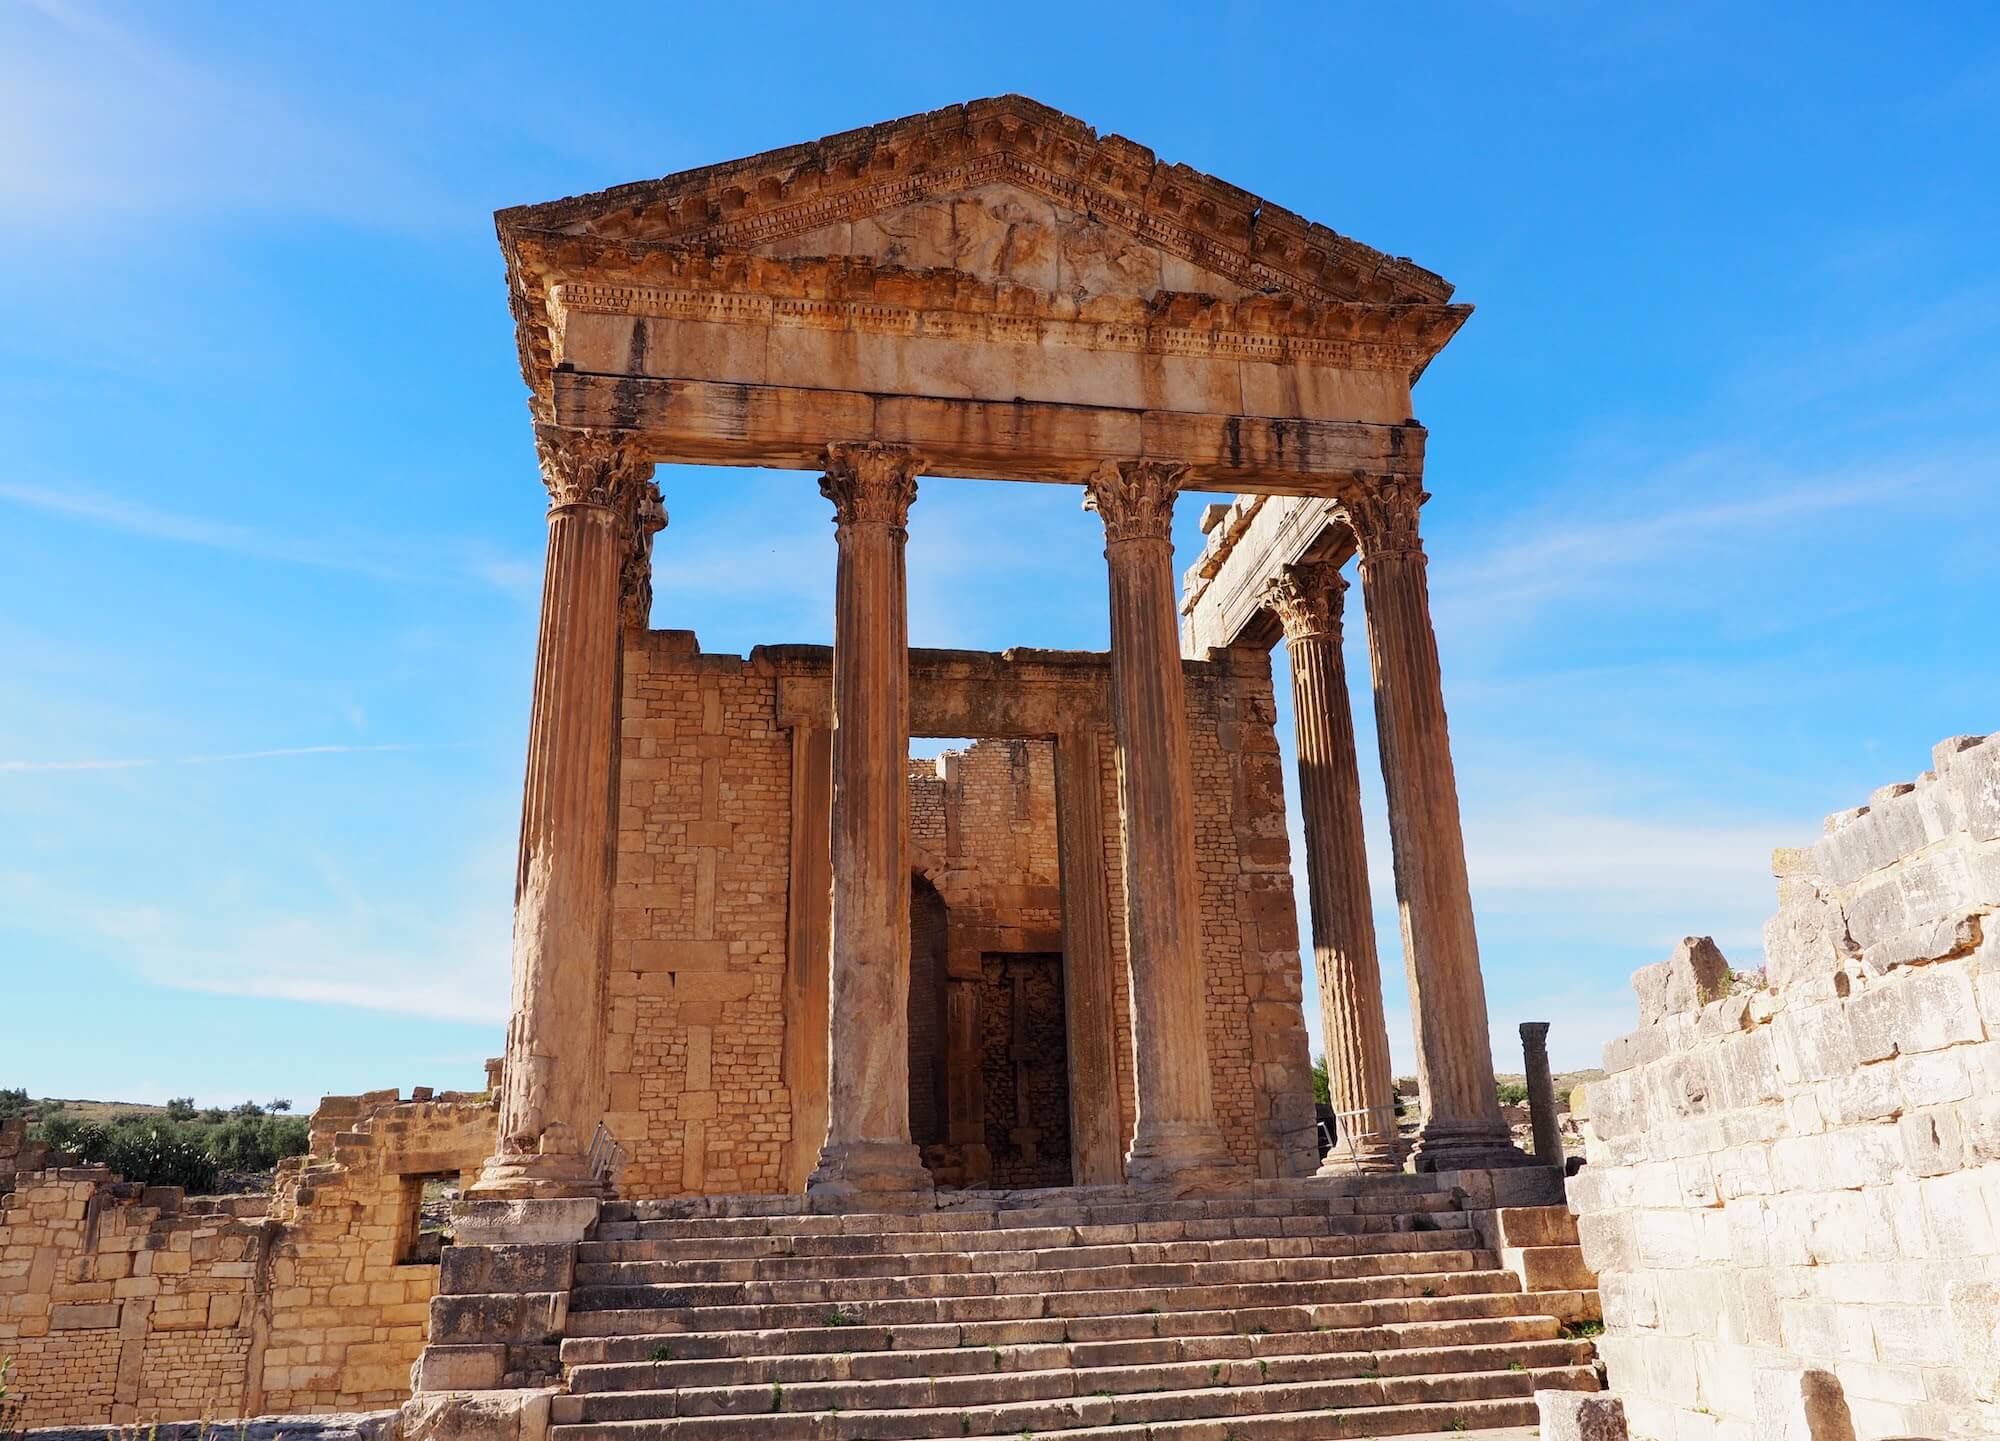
1805, 1167
124, 1303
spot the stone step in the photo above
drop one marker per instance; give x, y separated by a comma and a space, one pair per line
940, 1350
1273, 1236
671, 1309
1425, 1403
624, 1284
1021, 1238
954, 1208
950, 1378
1377, 1311
646, 1219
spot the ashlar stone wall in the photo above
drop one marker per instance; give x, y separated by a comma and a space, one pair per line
128, 1303
1808, 1170
715, 993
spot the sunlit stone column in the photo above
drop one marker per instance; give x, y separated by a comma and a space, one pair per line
868, 1150
1308, 600
1175, 1140
603, 510
1462, 1126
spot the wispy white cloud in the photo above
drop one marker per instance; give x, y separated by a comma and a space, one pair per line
442, 953
404, 561
205, 760
105, 122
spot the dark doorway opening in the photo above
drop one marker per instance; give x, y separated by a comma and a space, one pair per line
1024, 1063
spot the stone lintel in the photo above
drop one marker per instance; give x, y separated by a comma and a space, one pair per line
709, 423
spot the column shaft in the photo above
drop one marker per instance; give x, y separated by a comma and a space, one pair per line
553, 1088
868, 1149
1361, 1082
1462, 1125
1175, 1140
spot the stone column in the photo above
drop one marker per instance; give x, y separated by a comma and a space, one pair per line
868, 1150
1089, 983
1175, 1140
1462, 1126
1541, 1093
1308, 599
603, 510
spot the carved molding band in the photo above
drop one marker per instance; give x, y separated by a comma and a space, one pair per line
1308, 598
870, 483
592, 467
1384, 518
1135, 498
647, 518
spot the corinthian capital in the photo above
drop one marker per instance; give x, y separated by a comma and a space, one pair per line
1135, 498
1308, 599
871, 483
645, 518
1383, 513
591, 467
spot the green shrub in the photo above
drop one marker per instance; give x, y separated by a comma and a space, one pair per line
15, 1103
190, 1153
1322, 1083
1513, 1093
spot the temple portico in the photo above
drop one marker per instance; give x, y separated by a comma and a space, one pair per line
713, 944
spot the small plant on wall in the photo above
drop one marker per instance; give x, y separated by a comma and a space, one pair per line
11, 1402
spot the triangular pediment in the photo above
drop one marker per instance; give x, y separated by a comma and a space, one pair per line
1004, 190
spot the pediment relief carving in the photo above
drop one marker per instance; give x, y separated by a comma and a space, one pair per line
1005, 196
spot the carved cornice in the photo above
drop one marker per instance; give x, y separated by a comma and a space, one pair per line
785, 192
1383, 515
1135, 498
870, 484
1263, 248
646, 517
591, 467
851, 294
1308, 598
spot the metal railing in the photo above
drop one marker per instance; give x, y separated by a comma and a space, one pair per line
605, 1158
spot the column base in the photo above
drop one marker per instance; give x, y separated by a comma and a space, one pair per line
1181, 1156
1466, 1146
865, 1170
1366, 1160
535, 1176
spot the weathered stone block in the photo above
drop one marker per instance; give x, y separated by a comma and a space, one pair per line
1692, 976
1798, 1404
459, 1368
1580, 1416
1924, 1011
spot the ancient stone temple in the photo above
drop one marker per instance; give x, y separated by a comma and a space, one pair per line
851, 1095
851, 1092
714, 939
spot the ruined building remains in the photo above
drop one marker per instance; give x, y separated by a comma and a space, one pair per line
845, 1101
1803, 1168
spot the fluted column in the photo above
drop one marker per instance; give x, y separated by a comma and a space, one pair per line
1175, 1140
1462, 1125
1308, 599
868, 1150
603, 510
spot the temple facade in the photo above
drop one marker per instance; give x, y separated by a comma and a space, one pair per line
722, 904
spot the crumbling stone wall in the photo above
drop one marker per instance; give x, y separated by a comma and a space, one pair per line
1807, 1170
124, 1303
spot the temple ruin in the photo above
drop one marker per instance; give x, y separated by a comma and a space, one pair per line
850, 1095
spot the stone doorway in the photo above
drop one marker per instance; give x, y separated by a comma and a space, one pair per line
1024, 1067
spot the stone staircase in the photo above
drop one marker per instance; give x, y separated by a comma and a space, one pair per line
1354, 1307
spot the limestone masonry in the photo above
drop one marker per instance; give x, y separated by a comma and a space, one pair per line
1804, 1168
848, 1096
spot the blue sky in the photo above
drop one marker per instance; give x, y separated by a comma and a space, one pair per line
1716, 496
